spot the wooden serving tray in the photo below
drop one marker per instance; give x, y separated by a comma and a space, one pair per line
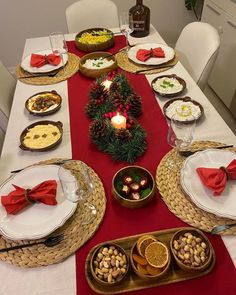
132, 282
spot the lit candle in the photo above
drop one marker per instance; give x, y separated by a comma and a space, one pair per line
107, 84
118, 121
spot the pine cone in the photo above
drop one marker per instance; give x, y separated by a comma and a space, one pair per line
96, 91
135, 105
91, 108
114, 87
123, 134
117, 99
97, 129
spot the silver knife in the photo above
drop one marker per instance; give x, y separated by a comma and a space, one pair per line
52, 163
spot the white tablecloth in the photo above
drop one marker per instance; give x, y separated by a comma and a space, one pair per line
60, 278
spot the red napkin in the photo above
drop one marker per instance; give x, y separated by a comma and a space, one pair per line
145, 54
215, 178
38, 60
18, 199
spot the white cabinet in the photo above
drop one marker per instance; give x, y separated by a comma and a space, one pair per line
223, 75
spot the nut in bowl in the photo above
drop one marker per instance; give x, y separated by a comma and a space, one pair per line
191, 249
109, 264
95, 64
150, 258
133, 186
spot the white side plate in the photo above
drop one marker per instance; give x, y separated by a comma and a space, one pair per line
25, 64
37, 220
169, 54
223, 205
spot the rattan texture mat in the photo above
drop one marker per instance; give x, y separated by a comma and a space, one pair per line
168, 184
75, 234
129, 66
64, 73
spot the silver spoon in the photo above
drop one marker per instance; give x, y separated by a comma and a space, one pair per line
220, 228
49, 242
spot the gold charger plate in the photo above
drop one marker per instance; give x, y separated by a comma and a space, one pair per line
132, 282
75, 234
129, 66
168, 184
71, 68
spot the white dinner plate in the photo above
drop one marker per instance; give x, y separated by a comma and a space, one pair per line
169, 54
37, 220
25, 64
223, 205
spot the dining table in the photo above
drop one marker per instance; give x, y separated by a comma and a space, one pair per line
68, 276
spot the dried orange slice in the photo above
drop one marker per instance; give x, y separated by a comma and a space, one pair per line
157, 254
143, 242
140, 260
142, 269
153, 271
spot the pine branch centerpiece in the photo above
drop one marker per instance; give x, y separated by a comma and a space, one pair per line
113, 108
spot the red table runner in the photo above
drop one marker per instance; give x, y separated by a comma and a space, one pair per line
120, 221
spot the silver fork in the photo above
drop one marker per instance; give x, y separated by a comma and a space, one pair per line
220, 228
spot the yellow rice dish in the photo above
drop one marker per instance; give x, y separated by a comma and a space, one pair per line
95, 37
41, 136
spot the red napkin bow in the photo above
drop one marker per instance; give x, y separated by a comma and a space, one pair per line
38, 60
216, 178
145, 54
18, 199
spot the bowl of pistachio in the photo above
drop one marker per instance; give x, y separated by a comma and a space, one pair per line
109, 264
191, 250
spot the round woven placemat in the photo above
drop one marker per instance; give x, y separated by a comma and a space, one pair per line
64, 73
75, 234
129, 66
168, 184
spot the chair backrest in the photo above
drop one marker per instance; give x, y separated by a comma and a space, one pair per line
197, 48
86, 14
7, 88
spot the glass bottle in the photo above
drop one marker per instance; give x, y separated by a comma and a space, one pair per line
139, 18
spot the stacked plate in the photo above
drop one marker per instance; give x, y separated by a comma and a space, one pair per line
223, 205
169, 54
38, 220
47, 68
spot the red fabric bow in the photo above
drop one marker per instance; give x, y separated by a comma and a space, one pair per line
18, 199
145, 54
38, 60
215, 178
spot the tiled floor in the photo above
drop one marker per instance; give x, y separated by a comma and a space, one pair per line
221, 108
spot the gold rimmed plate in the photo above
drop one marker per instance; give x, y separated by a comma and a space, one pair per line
194, 108
168, 85
41, 136
43, 103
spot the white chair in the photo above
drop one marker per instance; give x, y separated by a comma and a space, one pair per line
86, 14
7, 88
197, 48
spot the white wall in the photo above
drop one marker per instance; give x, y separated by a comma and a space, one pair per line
24, 19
